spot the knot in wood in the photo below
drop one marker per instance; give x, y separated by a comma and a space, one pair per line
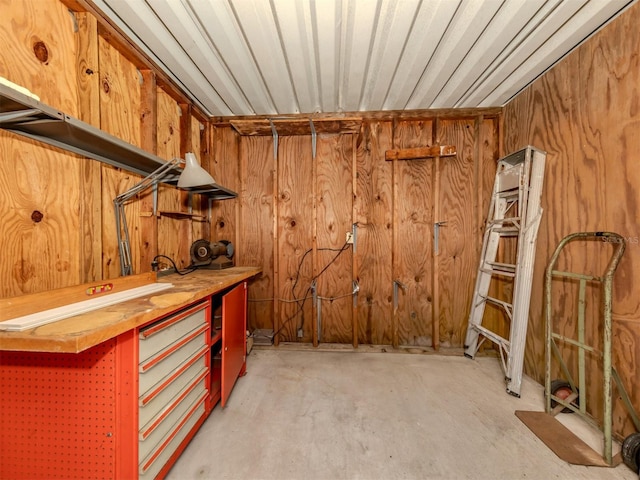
41, 52
37, 216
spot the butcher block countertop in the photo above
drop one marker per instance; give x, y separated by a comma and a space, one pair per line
80, 332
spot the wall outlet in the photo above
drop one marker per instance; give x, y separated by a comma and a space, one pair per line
349, 238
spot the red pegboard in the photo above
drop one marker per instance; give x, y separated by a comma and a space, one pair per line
58, 414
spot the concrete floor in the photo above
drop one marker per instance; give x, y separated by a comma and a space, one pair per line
337, 415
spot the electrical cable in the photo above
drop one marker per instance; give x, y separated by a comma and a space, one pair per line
302, 301
186, 271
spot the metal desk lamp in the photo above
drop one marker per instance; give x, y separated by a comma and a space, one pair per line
193, 175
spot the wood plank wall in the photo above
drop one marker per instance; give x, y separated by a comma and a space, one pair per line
584, 114
294, 211
58, 224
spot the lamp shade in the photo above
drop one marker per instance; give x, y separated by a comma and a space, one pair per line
193, 175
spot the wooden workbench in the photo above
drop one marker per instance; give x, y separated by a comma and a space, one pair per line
78, 333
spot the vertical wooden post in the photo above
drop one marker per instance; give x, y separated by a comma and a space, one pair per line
478, 168
435, 316
354, 261
314, 247
91, 171
149, 142
276, 261
206, 205
394, 239
186, 145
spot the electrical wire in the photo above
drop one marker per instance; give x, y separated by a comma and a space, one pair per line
301, 301
186, 271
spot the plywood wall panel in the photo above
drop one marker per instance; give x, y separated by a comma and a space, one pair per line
295, 236
334, 204
256, 227
174, 231
458, 259
149, 142
119, 98
224, 165
199, 226
40, 235
91, 171
374, 217
583, 113
413, 248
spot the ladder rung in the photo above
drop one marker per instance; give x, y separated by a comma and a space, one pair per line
498, 268
494, 337
510, 267
500, 221
506, 194
507, 231
506, 305
492, 271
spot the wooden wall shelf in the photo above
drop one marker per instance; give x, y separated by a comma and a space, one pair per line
176, 214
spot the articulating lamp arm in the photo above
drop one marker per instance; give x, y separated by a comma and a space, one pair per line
122, 230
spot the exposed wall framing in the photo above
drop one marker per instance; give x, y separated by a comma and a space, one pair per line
295, 210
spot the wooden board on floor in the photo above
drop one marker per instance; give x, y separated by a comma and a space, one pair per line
562, 441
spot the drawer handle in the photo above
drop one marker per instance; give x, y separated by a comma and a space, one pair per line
149, 430
151, 395
164, 354
158, 327
164, 444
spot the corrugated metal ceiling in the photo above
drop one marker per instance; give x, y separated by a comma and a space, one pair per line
275, 57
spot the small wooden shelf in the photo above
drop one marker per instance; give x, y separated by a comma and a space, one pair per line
176, 214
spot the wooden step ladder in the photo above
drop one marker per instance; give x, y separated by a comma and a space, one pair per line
514, 216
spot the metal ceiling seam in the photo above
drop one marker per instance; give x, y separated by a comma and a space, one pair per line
326, 62
467, 24
504, 27
377, 43
294, 43
246, 35
433, 53
402, 54
474, 91
127, 18
286, 55
397, 21
467, 58
424, 38
589, 30
354, 65
572, 32
549, 26
243, 103
546, 20
185, 28
260, 29
222, 29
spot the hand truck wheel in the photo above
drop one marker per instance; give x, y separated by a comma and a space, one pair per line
562, 389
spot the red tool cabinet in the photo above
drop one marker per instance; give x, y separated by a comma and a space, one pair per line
127, 407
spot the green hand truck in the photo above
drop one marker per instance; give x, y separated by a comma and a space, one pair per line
566, 396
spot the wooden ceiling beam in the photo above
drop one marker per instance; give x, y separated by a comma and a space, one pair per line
296, 126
